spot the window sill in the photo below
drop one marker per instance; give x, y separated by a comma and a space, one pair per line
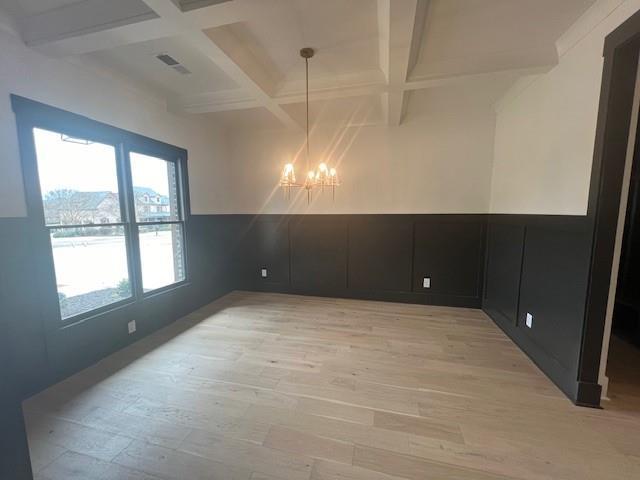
163, 290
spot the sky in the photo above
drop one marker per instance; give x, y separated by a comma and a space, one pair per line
91, 168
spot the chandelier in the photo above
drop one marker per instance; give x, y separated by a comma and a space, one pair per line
323, 176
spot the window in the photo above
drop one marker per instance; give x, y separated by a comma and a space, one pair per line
160, 234
89, 187
76, 179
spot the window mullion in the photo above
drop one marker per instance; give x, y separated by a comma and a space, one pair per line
133, 244
181, 195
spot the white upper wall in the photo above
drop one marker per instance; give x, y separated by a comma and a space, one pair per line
437, 161
545, 129
107, 99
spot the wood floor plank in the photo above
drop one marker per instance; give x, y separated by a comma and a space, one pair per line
257, 458
332, 428
340, 411
43, 453
418, 426
326, 470
77, 438
414, 468
140, 428
177, 465
74, 466
301, 443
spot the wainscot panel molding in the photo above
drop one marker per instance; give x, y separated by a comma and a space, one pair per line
379, 257
538, 264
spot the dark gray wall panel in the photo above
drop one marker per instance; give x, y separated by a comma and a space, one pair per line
451, 254
21, 302
14, 452
505, 244
380, 254
319, 254
553, 290
265, 245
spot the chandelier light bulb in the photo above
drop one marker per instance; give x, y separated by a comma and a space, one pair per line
288, 178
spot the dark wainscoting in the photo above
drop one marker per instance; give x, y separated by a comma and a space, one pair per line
14, 451
539, 264
45, 353
507, 264
381, 257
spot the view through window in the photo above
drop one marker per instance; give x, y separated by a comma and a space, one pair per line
85, 212
155, 188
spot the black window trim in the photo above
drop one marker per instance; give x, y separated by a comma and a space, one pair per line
31, 114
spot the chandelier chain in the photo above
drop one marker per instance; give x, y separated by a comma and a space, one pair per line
306, 61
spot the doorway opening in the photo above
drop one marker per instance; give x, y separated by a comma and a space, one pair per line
620, 366
623, 365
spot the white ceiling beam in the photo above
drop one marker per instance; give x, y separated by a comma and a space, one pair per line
94, 25
251, 80
369, 82
401, 25
420, 84
419, 27
221, 101
384, 13
345, 91
238, 99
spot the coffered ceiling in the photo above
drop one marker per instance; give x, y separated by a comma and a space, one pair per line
239, 63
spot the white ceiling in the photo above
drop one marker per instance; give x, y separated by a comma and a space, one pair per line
344, 33
375, 60
23, 8
472, 36
138, 61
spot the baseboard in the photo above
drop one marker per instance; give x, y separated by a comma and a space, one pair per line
588, 394
381, 296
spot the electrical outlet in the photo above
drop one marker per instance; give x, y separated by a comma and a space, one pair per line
263, 272
131, 326
426, 282
529, 320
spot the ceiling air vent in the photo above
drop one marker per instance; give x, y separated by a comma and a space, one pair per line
173, 63
167, 59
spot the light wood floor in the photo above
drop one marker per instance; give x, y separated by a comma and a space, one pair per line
266, 386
